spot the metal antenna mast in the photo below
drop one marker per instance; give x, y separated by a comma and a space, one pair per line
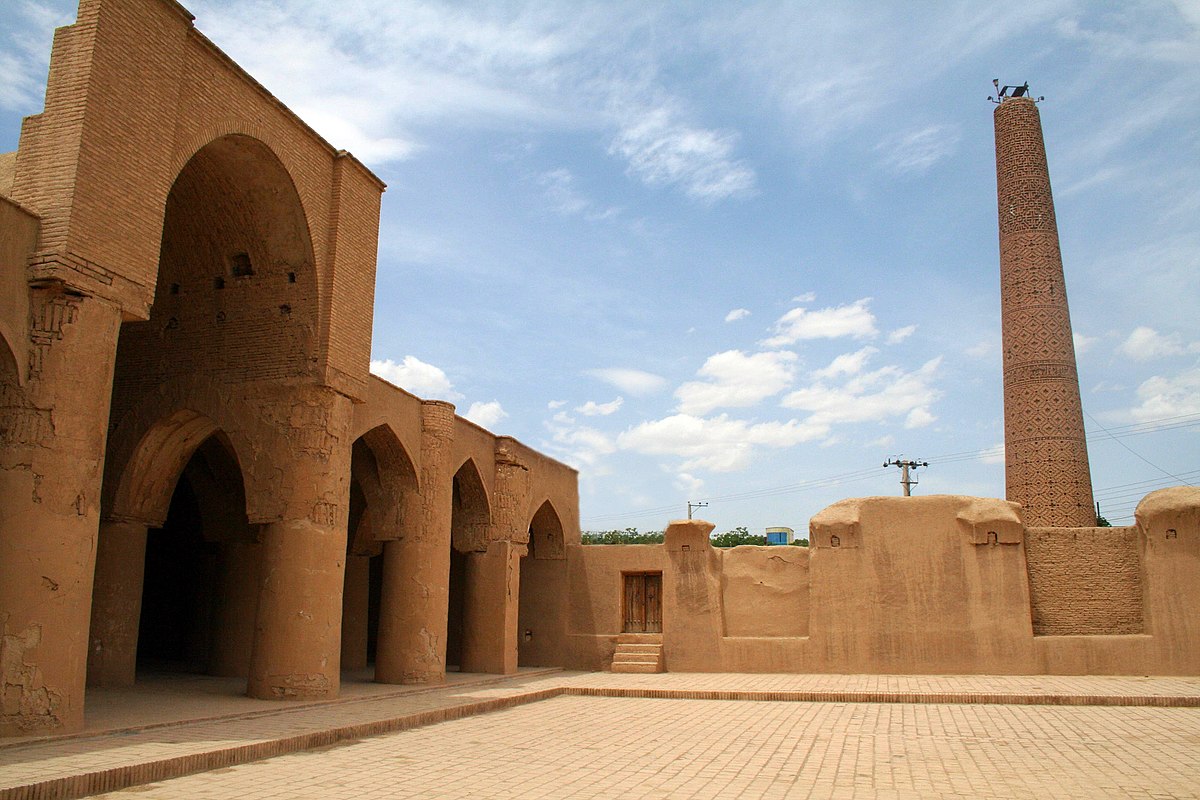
906, 465
691, 505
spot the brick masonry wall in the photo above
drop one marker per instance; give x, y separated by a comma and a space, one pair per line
1084, 581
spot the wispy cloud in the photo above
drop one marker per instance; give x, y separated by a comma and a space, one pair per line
717, 444
736, 380
888, 392
1146, 344
416, 376
662, 149
630, 381
736, 314
854, 320
486, 414
917, 151
1162, 397
593, 409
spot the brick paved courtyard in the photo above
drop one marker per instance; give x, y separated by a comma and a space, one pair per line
581, 747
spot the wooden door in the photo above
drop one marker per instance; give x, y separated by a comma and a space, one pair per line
643, 602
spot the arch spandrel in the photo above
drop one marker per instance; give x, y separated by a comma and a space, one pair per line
182, 413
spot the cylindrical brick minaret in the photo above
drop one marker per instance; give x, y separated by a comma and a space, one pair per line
1046, 460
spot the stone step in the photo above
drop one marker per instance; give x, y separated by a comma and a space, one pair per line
639, 638
636, 668
635, 658
640, 648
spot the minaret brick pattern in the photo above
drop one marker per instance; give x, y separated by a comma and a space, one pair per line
1046, 460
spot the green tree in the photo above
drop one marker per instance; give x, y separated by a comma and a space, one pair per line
626, 536
739, 535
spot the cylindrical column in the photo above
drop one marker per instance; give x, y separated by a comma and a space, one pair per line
116, 604
237, 607
1046, 460
356, 600
51, 458
415, 596
297, 641
298, 628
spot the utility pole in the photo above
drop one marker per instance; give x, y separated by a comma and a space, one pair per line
905, 466
691, 505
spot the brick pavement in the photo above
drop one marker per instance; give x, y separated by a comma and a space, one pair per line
591, 746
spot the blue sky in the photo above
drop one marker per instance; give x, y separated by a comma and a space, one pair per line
746, 252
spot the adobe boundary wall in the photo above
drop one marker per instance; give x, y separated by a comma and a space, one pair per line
922, 585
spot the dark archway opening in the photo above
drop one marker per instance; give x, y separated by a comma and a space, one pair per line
543, 581
470, 523
200, 584
382, 479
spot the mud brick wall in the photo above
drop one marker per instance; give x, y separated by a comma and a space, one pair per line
1084, 581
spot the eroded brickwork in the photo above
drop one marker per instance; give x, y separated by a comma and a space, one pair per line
1046, 462
1084, 581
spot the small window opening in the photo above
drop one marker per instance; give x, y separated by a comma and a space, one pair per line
993, 538
1172, 533
218, 282
291, 277
174, 288
240, 266
835, 541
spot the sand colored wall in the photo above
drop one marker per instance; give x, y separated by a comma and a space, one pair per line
1066, 595
765, 590
594, 574
916, 585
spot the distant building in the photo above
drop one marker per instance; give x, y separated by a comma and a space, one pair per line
780, 535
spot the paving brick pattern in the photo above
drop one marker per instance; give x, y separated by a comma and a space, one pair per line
665, 735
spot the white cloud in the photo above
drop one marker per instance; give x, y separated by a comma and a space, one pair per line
1147, 344
414, 375
983, 349
807, 297
736, 380
1083, 343
845, 364
854, 320
1162, 397
553, 404
593, 409
689, 484
870, 397
919, 418
630, 381
718, 444
578, 444
917, 151
736, 314
559, 187
486, 414
900, 334
662, 150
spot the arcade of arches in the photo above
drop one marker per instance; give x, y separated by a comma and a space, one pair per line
197, 472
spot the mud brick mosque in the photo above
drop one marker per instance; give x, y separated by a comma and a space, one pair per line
196, 467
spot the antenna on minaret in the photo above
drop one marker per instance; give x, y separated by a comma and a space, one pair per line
1017, 91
